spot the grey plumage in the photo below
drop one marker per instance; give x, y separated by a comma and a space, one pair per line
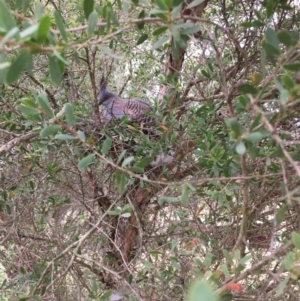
116, 107
136, 110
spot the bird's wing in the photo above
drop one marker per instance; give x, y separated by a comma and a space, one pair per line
136, 109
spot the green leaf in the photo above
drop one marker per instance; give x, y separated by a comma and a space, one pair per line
289, 260
7, 20
142, 15
175, 33
29, 31
29, 65
126, 214
271, 51
25, 5
106, 295
29, 102
92, 22
43, 28
295, 36
285, 38
142, 39
60, 57
114, 212
195, 3
240, 148
296, 239
61, 27
287, 81
10, 34
160, 30
176, 11
169, 199
160, 42
127, 161
69, 114
144, 162
281, 287
64, 137
161, 4
109, 52
292, 67
224, 270
148, 264
136, 169
190, 30
201, 291
113, 17
49, 130
28, 110
247, 88
121, 156
175, 263
272, 38
120, 178
235, 126
106, 146
44, 104
81, 135
54, 71
254, 137
163, 14
255, 23
270, 8
175, 50
281, 213
177, 2
185, 194
39, 10
88, 7
17, 67
226, 297
84, 162
3, 67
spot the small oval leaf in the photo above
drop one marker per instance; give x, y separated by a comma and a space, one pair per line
43, 28
88, 6
106, 146
54, 70
92, 22
127, 161
69, 114
84, 162
240, 148
28, 110
44, 104
17, 67
142, 39
201, 291
296, 239
64, 137
254, 137
49, 130
61, 27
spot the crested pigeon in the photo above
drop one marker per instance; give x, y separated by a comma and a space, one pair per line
116, 107
136, 110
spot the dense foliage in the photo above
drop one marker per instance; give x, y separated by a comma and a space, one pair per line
84, 215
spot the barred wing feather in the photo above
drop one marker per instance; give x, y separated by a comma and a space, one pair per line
137, 109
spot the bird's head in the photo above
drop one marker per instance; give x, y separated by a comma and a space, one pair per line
104, 95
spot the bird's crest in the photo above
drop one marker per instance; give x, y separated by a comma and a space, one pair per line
104, 93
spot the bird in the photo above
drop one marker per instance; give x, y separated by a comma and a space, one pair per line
115, 107
135, 109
